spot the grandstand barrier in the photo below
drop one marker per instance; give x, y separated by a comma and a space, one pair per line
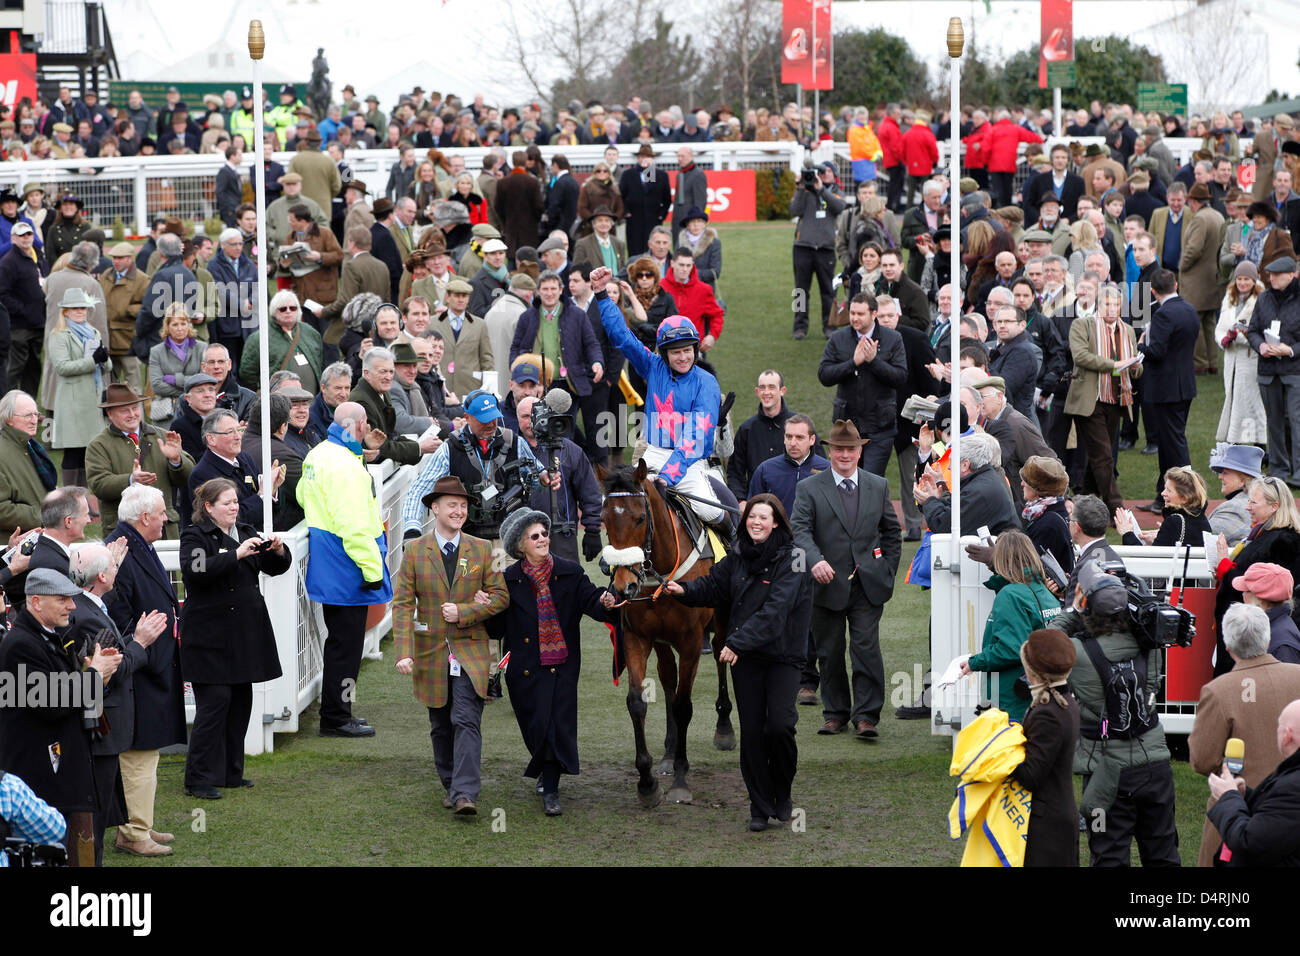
1183, 670
138, 189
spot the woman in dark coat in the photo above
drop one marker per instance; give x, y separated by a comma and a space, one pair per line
1274, 538
548, 597
1051, 728
1182, 522
1044, 482
227, 642
770, 606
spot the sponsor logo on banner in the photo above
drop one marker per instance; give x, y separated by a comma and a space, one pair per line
731, 194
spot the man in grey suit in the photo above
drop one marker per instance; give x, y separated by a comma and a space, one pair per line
845, 525
692, 189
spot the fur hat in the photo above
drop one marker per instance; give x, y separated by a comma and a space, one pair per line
1049, 653
448, 212
1045, 475
512, 529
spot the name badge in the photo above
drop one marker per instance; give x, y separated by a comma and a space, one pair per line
222, 550
454, 665
488, 494
300, 358
462, 566
248, 479
821, 214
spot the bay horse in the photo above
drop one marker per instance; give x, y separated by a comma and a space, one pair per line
649, 544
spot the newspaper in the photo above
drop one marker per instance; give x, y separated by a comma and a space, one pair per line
296, 254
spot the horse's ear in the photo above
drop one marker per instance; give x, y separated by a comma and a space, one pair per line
601, 473
641, 471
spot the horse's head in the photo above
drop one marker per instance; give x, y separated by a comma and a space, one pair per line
628, 522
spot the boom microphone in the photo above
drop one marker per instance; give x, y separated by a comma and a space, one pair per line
558, 401
1234, 755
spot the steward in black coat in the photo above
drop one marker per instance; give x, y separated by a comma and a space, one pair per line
866, 393
244, 473
645, 203
227, 645
769, 606
1263, 545
48, 747
758, 438
1260, 828
545, 699
142, 585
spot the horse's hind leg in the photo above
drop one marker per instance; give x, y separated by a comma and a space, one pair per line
667, 666
647, 788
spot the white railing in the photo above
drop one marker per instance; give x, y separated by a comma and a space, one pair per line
138, 189
953, 707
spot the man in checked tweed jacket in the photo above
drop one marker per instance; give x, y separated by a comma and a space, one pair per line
439, 622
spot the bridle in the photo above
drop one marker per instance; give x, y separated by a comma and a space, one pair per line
646, 574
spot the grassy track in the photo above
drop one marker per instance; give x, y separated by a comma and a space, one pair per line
377, 802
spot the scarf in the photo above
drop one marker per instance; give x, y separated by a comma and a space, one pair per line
1106, 391
691, 240
1035, 509
550, 639
1255, 239
501, 273
339, 436
44, 466
1042, 689
89, 338
759, 556
180, 350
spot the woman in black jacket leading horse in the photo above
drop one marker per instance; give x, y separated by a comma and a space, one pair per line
770, 605
226, 639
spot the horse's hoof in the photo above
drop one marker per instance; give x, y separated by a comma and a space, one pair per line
651, 799
679, 795
725, 741
665, 767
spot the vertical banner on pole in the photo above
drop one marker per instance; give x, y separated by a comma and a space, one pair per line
806, 43
1057, 42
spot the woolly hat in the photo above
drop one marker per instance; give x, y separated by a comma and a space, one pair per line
512, 529
1045, 475
1049, 653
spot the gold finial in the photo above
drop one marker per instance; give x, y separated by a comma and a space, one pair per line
956, 38
257, 39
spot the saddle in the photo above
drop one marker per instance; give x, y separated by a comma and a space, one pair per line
709, 542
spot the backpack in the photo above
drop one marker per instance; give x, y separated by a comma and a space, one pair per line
1125, 714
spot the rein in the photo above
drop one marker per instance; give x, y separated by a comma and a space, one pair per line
647, 569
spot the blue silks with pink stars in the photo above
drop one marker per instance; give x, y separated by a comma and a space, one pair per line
681, 410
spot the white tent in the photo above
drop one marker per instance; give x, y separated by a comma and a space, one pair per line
227, 64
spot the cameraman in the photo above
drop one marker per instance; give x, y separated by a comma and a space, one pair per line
484, 456
1128, 784
577, 491
816, 209
25, 816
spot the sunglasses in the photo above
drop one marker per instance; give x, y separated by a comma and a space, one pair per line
645, 275
287, 308
539, 535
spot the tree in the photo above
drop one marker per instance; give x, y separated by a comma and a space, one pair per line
983, 81
876, 67
1106, 68
747, 40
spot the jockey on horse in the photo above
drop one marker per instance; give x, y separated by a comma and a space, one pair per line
683, 403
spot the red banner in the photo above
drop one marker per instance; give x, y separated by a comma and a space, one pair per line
731, 194
1057, 41
1188, 669
17, 74
807, 44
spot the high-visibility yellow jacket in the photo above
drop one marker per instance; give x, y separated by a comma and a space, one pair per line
346, 532
990, 807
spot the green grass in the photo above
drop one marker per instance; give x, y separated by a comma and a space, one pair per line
377, 802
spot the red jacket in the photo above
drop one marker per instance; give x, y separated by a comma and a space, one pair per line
891, 142
1003, 143
977, 148
920, 150
696, 301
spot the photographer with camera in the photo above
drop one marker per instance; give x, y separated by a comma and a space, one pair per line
1128, 784
491, 461
816, 210
227, 642
578, 490
25, 816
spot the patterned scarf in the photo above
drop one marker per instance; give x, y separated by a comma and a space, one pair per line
550, 639
1106, 349
1033, 510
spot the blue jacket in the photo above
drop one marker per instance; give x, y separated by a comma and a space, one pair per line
779, 475
236, 283
6, 227
681, 410
322, 416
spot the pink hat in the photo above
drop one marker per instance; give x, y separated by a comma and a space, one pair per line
1268, 582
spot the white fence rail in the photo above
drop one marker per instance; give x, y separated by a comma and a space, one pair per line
953, 707
138, 189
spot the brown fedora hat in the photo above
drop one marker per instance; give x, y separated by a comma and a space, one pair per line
448, 485
844, 432
117, 395
1200, 192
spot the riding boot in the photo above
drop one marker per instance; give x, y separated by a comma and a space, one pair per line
725, 527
